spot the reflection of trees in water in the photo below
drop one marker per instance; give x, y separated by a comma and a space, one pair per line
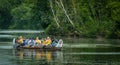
38, 56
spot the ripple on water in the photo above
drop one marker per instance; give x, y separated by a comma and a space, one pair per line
6, 47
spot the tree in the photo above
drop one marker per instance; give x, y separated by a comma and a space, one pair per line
22, 16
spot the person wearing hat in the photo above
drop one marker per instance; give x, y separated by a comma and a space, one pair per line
48, 41
20, 41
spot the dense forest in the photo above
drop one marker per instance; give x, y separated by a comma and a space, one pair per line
82, 18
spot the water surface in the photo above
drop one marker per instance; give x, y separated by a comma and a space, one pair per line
79, 52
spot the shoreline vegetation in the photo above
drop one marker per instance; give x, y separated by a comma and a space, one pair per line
74, 18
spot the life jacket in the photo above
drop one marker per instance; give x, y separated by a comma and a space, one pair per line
48, 41
44, 42
20, 41
37, 41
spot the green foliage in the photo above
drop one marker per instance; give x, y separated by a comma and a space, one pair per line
41, 14
31, 14
54, 30
22, 14
91, 18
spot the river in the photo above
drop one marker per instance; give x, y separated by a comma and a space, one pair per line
74, 52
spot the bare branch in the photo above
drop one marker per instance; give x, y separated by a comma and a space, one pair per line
66, 13
55, 17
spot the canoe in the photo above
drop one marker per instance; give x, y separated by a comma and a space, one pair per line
45, 47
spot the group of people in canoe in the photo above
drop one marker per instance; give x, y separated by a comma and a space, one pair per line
35, 42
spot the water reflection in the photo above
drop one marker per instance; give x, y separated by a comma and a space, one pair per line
75, 52
38, 55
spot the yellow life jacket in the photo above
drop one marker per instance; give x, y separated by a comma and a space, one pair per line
49, 41
44, 42
20, 41
37, 41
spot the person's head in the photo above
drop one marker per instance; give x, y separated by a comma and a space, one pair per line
37, 38
20, 37
48, 37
